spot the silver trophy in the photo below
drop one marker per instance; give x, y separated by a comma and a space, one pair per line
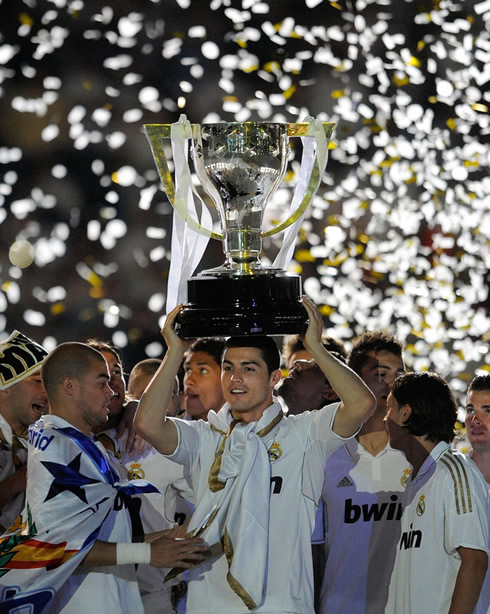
240, 165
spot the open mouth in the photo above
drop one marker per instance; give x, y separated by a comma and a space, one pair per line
39, 408
237, 391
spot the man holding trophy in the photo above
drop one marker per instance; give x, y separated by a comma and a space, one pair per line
257, 475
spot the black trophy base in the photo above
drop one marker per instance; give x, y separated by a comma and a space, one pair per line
226, 306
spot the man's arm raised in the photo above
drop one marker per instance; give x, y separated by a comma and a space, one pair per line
150, 420
357, 401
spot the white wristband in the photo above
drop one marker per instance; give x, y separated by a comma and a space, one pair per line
133, 553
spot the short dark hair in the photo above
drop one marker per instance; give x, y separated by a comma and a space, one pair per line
210, 345
434, 408
293, 343
267, 346
372, 342
106, 346
480, 382
71, 359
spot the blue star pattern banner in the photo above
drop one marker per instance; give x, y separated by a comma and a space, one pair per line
72, 490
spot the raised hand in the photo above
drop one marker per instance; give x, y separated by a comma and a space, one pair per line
169, 334
313, 335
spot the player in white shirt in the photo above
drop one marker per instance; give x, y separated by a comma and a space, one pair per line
257, 475
72, 546
441, 557
157, 511
364, 481
477, 424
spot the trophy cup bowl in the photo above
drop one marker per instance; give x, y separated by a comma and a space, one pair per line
240, 165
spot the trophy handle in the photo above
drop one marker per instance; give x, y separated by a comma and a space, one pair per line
301, 129
155, 134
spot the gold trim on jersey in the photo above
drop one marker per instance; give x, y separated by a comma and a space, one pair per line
107, 442
213, 481
457, 471
232, 581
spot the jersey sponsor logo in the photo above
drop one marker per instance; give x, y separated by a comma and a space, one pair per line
457, 471
410, 539
275, 452
368, 512
345, 481
135, 472
37, 440
420, 509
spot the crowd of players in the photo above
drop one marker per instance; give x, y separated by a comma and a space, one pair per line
333, 489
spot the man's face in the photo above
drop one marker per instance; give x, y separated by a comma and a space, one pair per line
202, 384
304, 388
477, 420
379, 373
117, 383
247, 385
27, 399
94, 396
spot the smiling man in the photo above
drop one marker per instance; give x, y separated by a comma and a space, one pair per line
117, 383
257, 474
22, 401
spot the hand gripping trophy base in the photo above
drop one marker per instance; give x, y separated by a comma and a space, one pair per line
242, 305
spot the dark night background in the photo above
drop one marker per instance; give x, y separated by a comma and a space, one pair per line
398, 235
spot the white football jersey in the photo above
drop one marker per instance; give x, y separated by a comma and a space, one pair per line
297, 460
446, 507
362, 511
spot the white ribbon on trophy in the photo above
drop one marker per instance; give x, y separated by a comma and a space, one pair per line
315, 129
188, 246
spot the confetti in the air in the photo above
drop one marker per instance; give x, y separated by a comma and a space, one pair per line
398, 235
